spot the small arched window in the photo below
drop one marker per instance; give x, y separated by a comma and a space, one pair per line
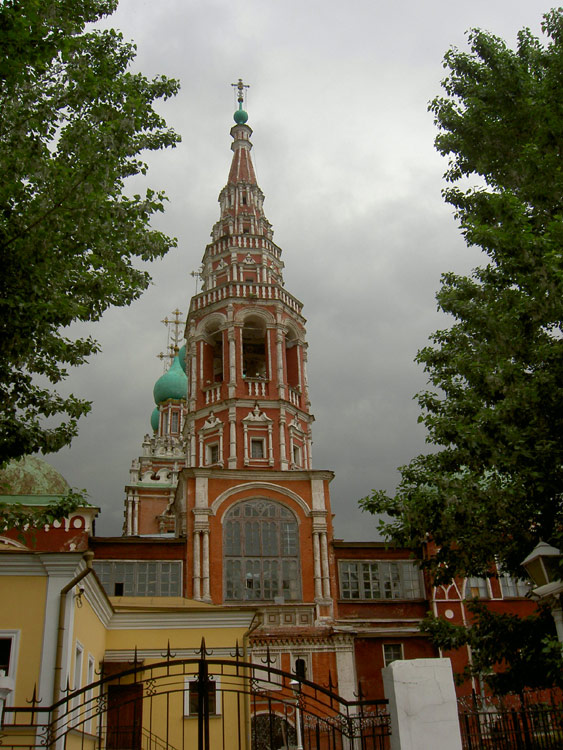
261, 552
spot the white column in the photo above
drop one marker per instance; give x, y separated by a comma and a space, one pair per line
324, 565
346, 671
232, 359
317, 565
205, 593
305, 378
136, 516
270, 445
129, 519
193, 379
245, 437
232, 438
197, 566
283, 448
279, 352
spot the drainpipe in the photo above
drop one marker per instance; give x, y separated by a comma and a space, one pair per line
255, 623
88, 558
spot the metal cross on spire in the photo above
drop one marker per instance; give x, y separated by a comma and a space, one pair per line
241, 93
175, 336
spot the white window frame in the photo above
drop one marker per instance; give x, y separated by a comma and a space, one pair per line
297, 455
522, 587
188, 680
90, 674
14, 636
77, 681
386, 662
480, 583
382, 580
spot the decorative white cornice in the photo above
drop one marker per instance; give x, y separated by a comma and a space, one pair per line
13, 563
97, 598
186, 619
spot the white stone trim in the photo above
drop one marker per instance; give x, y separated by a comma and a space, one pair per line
185, 620
257, 486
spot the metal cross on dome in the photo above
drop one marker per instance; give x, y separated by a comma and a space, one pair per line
240, 87
175, 336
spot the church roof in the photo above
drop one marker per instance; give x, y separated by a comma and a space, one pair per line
172, 385
29, 477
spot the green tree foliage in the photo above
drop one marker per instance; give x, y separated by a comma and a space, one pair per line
512, 653
493, 485
74, 122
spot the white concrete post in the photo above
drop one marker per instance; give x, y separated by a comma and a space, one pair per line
422, 705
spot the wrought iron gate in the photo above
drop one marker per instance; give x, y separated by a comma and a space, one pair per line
201, 702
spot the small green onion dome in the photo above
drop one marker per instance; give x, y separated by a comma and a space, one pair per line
182, 357
155, 418
173, 384
240, 116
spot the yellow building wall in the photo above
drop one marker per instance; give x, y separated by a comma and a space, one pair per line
90, 632
163, 712
23, 608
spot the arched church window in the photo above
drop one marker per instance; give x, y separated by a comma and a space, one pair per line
254, 348
261, 552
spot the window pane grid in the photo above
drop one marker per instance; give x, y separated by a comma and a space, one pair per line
264, 536
139, 577
379, 580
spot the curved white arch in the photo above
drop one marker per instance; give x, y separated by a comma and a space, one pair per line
215, 320
256, 312
264, 486
7, 542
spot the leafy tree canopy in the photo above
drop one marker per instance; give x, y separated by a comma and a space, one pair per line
511, 653
493, 486
494, 412
74, 123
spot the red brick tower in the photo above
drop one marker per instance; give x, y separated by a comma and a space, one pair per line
256, 515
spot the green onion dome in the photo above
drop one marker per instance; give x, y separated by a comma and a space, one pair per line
240, 116
182, 357
155, 418
173, 384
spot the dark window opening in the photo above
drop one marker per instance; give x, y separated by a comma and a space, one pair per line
257, 448
213, 454
193, 704
5, 653
254, 349
118, 589
300, 669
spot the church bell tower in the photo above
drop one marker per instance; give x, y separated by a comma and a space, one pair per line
255, 513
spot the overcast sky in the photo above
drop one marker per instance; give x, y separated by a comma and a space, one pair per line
343, 149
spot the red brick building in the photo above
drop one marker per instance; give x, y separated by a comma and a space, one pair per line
224, 505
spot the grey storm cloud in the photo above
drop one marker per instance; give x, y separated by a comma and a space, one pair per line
343, 148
